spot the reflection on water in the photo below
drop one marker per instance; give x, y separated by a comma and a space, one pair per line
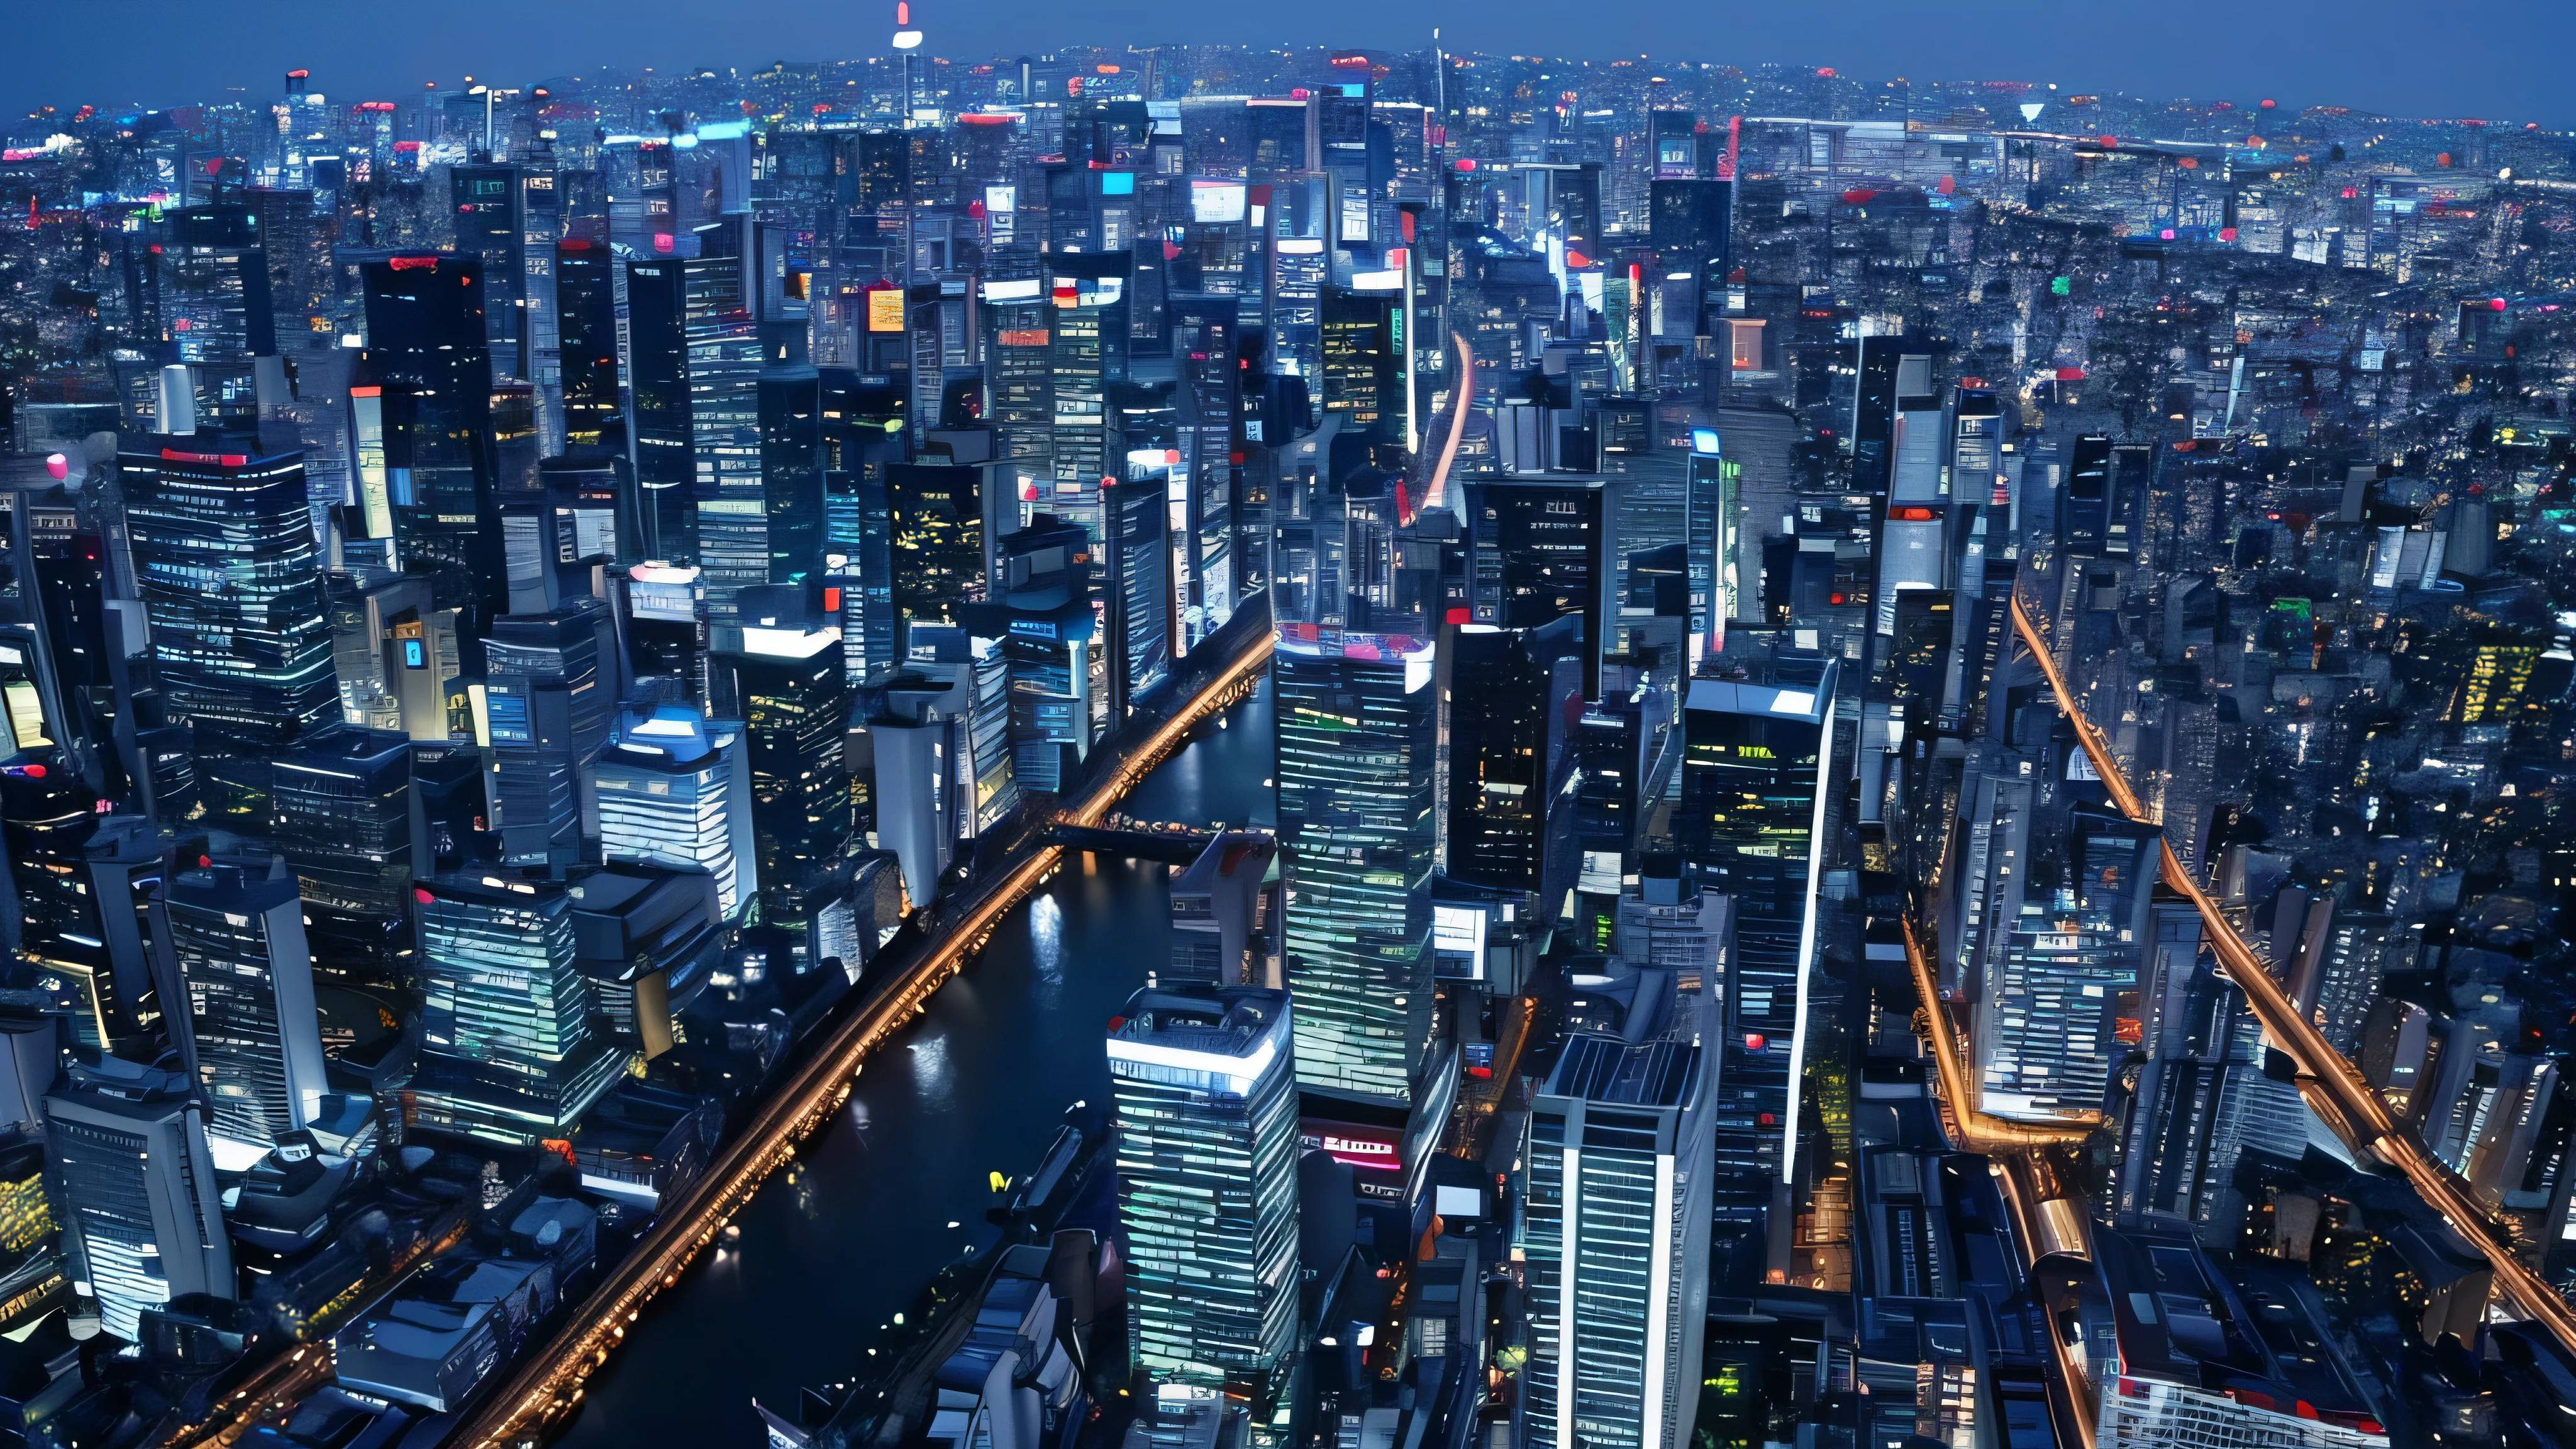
895, 1186
930, 1072
1046, 947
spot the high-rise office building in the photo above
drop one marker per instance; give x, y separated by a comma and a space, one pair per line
548, 699
589, 293
1620, 1162
426, 375
1498, 757
1207, 334
78, 908
663, 446
247, 665
673, 792
1044, 620
1207, 1173
487, 201
936, 517
1135, 578
792, 459
1355, 736
509, 1054
2201, 1097
239, 946
128, 1162
217, 310
1546, 549
342, 807
2045, 1023
1088, 350
795, 702
1363, 377
1755, 756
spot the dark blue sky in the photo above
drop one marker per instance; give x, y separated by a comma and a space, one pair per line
2499, 59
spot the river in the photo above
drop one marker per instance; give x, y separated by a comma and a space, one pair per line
897, 1185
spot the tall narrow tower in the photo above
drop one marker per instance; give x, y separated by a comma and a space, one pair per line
908, 41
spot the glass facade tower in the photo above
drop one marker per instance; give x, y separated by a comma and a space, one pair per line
224, 559
509, 1054
1207, 1172
240, 948
127, 1158
1355, 736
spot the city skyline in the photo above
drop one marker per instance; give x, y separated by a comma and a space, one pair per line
1208, 747
2309, 53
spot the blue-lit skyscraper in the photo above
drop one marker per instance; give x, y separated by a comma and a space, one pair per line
224, 559
240, 948
1136, 578
723, 390
548, 698
509, 1054
1207, 1173
673, 792
1355, 734
127, 1159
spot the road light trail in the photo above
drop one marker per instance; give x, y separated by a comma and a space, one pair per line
2011, 1146
547, 1387
287, 1379
2360, 1115
1974, 1129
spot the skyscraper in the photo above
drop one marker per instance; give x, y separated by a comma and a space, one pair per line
240, 948
548, 697
224, 560
2045, 1022
429, 365
1136, 580
1207, 1172
937, 517
1355, 733
217, 310
723, 389
1497, 795
673, 792
663, 449
342, 808
1753, 762
1546, 549
128, 1161
1618, 1230
589, 288
509, 1054
795, 701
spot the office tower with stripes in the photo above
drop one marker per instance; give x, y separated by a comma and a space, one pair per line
509, 1052
1207, 1174
128, 1161
1355, 722
240, 947
231, 586
673, 792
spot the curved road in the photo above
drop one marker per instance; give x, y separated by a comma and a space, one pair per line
544, 1394
2358, 1112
